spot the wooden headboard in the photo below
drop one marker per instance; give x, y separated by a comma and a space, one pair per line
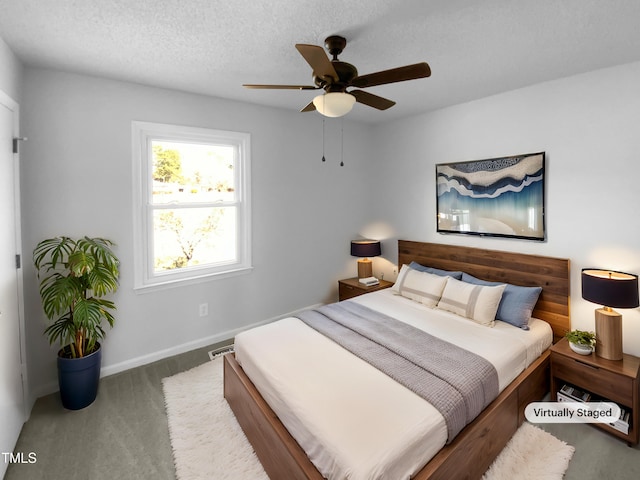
552, 274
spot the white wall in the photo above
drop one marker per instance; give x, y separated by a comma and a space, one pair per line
588, 126
77, 181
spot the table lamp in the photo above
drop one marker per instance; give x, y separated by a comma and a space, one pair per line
365, 249
612, 290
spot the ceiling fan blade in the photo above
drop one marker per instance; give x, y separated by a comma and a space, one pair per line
372, 100
317, 58
309, 108
281, 87
400, 74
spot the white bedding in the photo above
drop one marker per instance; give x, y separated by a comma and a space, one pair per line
353, 421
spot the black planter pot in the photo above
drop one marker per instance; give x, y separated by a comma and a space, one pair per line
78, 379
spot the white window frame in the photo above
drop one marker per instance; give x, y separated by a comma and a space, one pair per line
143, 133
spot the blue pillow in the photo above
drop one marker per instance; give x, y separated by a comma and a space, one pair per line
517, 302
435, 271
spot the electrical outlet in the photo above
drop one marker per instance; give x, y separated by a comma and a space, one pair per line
204, 309
395, 271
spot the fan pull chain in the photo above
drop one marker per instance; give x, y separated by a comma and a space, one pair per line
323, 159
342, 142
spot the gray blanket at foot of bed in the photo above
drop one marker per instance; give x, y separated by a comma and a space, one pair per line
458, 383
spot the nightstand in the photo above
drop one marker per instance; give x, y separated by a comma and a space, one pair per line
351, 287
614, 380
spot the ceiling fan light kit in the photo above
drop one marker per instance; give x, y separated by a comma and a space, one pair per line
335, 76
334, 104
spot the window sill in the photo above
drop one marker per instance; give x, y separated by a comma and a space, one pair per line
182, 282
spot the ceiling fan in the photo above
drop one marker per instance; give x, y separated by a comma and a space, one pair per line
335, 77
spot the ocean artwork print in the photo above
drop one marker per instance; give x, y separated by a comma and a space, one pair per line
500, 197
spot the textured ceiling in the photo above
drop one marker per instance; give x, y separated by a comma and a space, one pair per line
475, 48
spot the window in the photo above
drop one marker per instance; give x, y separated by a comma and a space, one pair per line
192, 216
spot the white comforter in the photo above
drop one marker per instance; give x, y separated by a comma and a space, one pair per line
353, 421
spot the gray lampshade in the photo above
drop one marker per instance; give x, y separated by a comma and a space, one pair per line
365, 248
609, 288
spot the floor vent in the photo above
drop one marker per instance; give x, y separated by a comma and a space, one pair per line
220, 351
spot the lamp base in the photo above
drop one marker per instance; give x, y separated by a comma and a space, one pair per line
608, 334
365, 268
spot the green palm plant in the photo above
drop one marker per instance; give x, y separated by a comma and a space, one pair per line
74, 277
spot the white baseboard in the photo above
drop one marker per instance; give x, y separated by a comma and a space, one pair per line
170, 352
52, 387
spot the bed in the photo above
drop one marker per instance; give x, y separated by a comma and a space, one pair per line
467, 455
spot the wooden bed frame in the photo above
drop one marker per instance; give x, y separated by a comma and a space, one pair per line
475, 448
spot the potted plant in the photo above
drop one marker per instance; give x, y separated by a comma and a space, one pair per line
74, 277
581, 342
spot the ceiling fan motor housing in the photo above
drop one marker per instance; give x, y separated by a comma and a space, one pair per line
346, 72
335, 44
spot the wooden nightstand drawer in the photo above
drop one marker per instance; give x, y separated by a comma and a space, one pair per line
347, 291
618, 388
351, 287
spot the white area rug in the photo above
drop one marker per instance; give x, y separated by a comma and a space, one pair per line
206, 439
531, 454
208, 443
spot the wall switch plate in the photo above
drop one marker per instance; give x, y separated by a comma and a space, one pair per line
204, 309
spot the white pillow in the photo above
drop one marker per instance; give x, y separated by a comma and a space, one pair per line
422, 287
476, 302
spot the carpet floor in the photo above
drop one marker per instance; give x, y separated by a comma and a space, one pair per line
207, 441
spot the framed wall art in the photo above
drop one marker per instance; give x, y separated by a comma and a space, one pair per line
499, 197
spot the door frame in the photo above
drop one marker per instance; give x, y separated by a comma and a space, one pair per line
12, 105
